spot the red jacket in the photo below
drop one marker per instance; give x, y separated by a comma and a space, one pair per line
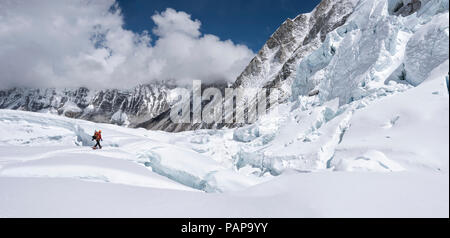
98, 135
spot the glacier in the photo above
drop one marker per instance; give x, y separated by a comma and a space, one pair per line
364, 133
359, 160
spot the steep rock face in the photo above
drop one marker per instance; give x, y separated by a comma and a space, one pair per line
343, 49
163, 121
406, 8
123, 107
43, 99
276, 62
376, 69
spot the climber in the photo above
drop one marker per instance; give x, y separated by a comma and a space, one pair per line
98, 137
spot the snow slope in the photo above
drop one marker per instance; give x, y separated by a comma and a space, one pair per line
383, 157
294, 195
58, 147
411, 128
47, 169
373, 142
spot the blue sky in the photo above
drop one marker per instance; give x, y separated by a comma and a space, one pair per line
57, 47
249, 22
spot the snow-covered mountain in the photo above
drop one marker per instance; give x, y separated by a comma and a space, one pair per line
122, 107
385, 156
363, 131
345, 49
358, 34
276, 62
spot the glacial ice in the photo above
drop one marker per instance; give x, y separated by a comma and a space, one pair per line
369, 58
427, 49
371, 46
120, 118
381, 106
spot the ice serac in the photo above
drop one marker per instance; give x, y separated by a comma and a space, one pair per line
377, 57
371, 95
122, 107
275, 64
345, 49
373, 47
427, 49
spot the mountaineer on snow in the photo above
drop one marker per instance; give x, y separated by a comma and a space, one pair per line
97, 137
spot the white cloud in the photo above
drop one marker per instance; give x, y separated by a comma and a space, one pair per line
83, 43
171, 21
